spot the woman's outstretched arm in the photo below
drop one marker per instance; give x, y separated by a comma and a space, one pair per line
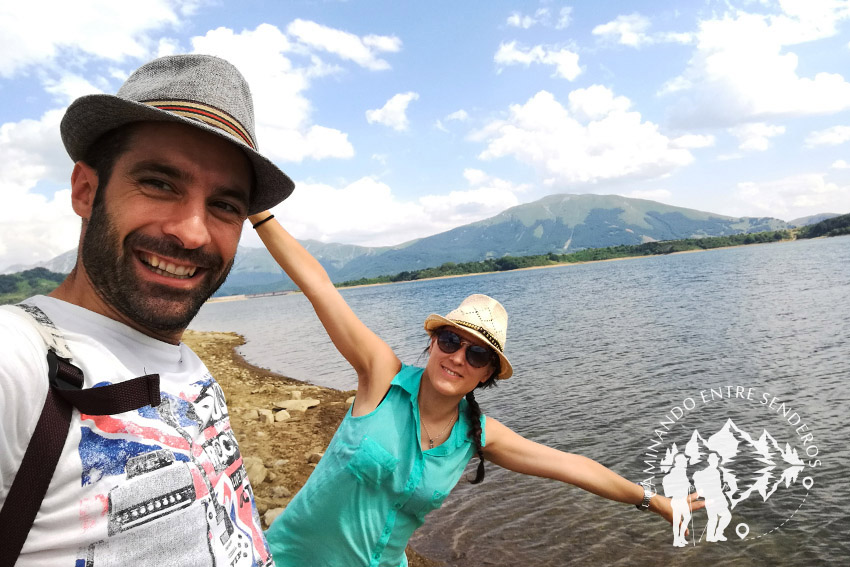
512, 451
372, 359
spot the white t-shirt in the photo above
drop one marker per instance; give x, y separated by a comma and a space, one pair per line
157, 486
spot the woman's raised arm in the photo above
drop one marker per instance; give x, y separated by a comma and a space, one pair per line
372, 359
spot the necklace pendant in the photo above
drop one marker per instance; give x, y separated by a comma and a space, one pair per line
430, 443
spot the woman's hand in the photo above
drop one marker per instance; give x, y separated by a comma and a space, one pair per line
663, 506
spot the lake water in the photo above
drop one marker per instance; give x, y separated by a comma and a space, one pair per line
617, 361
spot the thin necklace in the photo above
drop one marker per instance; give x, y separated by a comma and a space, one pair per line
439, 435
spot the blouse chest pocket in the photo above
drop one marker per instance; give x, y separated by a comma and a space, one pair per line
371, 463
431, 504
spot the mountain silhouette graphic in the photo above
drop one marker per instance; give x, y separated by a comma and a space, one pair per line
748, 465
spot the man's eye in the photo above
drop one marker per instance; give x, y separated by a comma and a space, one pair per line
229, 207
157, 184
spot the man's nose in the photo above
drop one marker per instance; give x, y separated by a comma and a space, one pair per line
188, 224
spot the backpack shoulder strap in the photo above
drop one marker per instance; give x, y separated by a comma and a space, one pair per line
45, 447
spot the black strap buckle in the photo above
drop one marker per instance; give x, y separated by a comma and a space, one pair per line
61, 373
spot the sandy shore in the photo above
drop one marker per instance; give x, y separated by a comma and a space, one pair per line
284, 447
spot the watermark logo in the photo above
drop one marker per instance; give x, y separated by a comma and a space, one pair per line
753, 481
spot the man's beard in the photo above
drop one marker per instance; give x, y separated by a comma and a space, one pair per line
158, 307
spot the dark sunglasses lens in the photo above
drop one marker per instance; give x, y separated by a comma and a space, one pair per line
448, 342
477, 356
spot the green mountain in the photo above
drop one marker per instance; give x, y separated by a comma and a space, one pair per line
557, 223
834, 226
812, 219
17, 287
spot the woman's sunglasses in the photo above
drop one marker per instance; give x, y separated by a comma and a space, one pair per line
477, 356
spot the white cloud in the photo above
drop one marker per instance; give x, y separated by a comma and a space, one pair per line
481, 180
596, 102
807, 20
358, 213
673, 37
693, 141
583, 144
467, 206
632, 30
794, 197
367, 213
69, 87
661, 195
627, 30
565, 61
101, 29
830, 137
742, 70
282, 112
542, 16
363, 51
167, 46
518, 20
564, 18
34, 227
456, 116
729, 157
840, 164
756, 137
394, 112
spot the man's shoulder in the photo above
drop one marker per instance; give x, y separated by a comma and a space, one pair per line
19, 335
23, 369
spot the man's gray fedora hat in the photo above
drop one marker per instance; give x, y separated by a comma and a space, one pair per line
199, 90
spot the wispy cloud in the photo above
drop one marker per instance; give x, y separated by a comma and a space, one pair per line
564, 60
596, 138
830, 137
394, 112
363, 51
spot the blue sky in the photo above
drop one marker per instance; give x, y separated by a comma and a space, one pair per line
398, 120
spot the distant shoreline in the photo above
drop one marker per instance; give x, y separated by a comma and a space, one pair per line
558, 265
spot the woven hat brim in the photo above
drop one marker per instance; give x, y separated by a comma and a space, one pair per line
434, 322
91, 116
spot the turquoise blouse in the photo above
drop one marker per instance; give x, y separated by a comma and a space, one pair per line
373, 487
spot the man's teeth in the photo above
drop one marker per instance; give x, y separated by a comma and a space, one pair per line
169, 269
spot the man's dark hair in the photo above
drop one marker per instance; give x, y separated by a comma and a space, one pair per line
104, 152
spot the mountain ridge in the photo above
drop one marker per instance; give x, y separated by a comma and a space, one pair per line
559, 224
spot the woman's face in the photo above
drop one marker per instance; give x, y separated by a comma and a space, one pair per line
450, 373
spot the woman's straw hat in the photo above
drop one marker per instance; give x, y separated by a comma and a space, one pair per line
483, 317
202, 91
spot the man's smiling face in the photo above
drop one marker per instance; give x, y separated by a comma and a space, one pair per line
163, 232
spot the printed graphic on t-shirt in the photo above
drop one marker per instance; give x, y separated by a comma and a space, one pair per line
164, 472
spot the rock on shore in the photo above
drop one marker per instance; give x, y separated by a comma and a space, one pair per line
282, 425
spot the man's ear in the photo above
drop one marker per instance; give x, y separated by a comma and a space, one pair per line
83, 188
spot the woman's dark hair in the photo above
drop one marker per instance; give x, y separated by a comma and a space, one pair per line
474, 413
475, 422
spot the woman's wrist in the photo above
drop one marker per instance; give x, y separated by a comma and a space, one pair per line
259, 218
